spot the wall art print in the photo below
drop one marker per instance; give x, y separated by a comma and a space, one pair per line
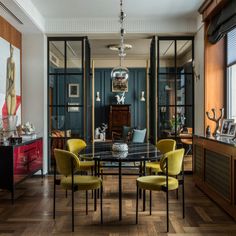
10, 80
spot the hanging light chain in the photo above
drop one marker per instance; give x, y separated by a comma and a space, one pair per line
122, 53
121, 72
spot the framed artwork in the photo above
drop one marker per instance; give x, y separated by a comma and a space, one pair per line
73, 107
73, 90
225, 126
119, 85
10, 80
232, 129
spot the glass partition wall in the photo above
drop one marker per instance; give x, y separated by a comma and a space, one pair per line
172, 90
68, 99
175, 82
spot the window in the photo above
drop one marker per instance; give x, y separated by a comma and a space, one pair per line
231, 74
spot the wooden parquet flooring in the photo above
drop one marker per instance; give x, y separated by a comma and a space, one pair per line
32, 212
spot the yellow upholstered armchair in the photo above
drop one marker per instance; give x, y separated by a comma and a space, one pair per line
66, 164
171, 165
164, 145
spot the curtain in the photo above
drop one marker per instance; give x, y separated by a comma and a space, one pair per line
222, 23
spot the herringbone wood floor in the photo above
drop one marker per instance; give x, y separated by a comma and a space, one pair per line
32, 212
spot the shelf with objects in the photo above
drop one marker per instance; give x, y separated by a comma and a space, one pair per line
68, 83
173, 82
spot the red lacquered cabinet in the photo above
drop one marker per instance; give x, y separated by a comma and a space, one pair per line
17, 162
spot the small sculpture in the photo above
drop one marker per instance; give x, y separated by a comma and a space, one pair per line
120, 99
216, 120
100, 132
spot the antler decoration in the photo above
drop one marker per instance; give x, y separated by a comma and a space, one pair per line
216, 120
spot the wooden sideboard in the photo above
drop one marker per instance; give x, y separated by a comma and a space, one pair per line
214, 170
19, 161
119, 116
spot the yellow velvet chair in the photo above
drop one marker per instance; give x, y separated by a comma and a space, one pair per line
76, 146
164, 145
171, 165
66, 164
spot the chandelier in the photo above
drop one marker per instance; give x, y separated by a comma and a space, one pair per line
121, 72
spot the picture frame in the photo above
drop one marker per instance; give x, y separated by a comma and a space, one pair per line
73, 90
73, 107
225, 126
232, 129
119, 85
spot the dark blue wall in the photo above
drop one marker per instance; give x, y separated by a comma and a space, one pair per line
136, 84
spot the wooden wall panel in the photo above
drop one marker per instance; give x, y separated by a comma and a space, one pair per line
214, 77
9, 33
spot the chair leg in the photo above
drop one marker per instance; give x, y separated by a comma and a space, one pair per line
66, 193
144, 200
86, 202
92, 175
167, 210
72, 208
54, 200
177, 190
183, 200
150, 202
95, 199
137, 196
101, 202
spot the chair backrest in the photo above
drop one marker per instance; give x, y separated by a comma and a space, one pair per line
166, 145
175, 160
138, 135
125, 132
76, 145
64, 159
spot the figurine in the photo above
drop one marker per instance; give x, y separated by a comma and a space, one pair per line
216, 120
120, 99
208, 131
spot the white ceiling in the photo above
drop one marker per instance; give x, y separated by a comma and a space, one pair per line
98, 19
110, 8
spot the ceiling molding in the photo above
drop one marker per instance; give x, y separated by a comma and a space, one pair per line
101, 25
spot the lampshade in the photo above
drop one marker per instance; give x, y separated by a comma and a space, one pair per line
120, 72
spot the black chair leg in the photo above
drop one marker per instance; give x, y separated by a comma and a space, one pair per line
177, 190
72, 208
54, 200
167, 211
95, 199
150, 202
92, 175
86, 202
137, 196
101, 202
183, 200
144, 200
66, 193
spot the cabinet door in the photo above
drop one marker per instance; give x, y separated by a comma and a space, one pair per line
36, 157
27, 160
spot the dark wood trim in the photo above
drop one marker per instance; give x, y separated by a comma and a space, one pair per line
210, 8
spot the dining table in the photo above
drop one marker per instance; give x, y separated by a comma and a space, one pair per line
135, 157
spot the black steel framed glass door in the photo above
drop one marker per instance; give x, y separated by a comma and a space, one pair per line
68, 73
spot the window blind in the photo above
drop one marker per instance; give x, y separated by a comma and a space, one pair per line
231, 47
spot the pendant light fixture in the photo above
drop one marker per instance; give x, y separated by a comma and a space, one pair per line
121, 72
